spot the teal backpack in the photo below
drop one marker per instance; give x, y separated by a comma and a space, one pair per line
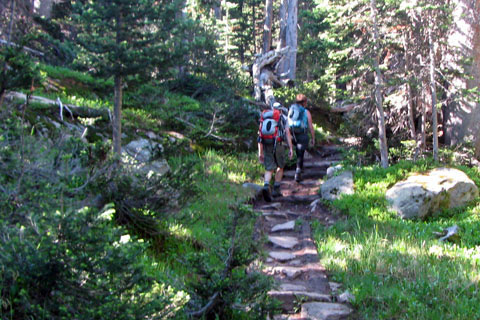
297, 118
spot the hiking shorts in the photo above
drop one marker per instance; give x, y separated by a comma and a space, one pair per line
272, 161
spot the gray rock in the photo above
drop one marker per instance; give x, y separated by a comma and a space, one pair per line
283, 242
140, 150
289, 272
292, 287
332, 170
450, 234
325, 311
422, 195
281, 256
337, 186
255, 188
272, 206
346, 297
335, 286
287, 226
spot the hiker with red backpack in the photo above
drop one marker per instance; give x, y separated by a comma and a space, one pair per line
300, 122
272, 135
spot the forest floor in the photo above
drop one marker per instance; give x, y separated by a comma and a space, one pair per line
291, 256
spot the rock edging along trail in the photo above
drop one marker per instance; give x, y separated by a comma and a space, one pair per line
301, 282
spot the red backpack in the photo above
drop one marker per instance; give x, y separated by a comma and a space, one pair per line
270, 126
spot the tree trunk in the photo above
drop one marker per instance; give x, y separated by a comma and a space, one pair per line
12, 18
477, 145
117, 115
291, 39
254, 24
423, 139
45, 8
378, 90
118, 95
282, 40
267, 26
410, 111
433, 92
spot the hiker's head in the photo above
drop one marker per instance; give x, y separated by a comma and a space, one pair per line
301, 99
277, 105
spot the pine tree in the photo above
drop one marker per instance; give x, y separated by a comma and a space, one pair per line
125, 38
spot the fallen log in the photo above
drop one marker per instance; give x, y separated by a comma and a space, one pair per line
72, 110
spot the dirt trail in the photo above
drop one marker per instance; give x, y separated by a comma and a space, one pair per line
292, 259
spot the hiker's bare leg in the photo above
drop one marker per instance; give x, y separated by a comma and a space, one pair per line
268, 176
279, 175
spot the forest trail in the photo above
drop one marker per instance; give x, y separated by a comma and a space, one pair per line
291, 257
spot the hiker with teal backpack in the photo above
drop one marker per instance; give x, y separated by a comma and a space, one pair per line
272, 135
300, 122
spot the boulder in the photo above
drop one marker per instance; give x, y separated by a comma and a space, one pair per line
138, 155
333, 169
422, 195
141, 149
336, 186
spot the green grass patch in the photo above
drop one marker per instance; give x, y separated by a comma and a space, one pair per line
72, 78
398, 269
202, 232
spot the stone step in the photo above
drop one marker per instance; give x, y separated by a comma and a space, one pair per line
324, 164
287, 226
299, 199
305, 182
281, 256
325, 311
284, 241
289, 298
271, 206
307, 174
290, 273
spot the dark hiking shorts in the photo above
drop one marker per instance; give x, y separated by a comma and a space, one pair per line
272, 162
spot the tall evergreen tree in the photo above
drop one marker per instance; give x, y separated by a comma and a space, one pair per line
125, 38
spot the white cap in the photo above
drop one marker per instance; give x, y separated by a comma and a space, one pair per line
277, 105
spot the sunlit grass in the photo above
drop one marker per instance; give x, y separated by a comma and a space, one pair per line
206, 217
398, 269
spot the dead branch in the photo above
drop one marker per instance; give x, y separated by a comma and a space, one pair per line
8, 43
206, 132
345, 108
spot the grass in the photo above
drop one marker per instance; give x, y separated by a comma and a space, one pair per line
398, 269
196, 256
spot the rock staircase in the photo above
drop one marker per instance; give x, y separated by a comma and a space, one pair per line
301, 282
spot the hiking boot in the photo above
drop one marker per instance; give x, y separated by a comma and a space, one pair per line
266, 193
298, 175
276, 190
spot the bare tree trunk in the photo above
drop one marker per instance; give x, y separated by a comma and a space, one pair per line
267, 26
423, 140
410, 111
378, 90
477, 146
117, 116
118, 96
282, 40
291, 39
45, 8
12, 18
433, 92
254, 23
